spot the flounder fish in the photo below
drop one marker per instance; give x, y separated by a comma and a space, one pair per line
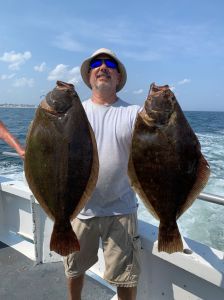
166, 167
61, 162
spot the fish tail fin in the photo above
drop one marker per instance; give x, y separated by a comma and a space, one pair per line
63, 239
169, 239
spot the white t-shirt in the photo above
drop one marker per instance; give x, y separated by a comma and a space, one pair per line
113, 127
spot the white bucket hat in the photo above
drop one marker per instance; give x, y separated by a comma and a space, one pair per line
121, 68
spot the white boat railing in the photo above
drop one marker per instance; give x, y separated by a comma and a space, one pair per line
211, 198
14, 154
194, 274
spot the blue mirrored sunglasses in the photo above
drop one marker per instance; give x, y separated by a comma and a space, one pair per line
110, 63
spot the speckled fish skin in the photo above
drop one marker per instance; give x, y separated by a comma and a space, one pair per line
61, 162
166, 166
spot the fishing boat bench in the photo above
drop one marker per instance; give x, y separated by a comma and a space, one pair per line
198, 273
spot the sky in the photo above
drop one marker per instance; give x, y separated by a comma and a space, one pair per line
179, 42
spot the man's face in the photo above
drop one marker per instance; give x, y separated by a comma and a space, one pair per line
104, 78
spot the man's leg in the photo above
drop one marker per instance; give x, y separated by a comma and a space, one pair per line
78, 262
126, 293
75, 287
121, 245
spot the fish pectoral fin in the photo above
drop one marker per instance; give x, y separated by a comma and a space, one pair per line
169, 239
63, 239
203, 173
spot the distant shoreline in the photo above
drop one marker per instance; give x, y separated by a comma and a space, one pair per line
6, 105
18, 106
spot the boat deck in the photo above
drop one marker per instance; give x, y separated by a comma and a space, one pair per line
21, 279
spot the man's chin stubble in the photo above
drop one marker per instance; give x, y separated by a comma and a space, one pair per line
103, 87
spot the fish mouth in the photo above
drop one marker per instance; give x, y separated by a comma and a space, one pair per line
160, 99
156, 89
51, 110
59, 101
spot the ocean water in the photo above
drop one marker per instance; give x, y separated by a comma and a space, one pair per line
203, 221
17, 120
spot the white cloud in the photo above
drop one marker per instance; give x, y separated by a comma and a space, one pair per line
15, 60
23, 81
181, 82
5, 77
185, 80
137, 92
40, 68
62, 72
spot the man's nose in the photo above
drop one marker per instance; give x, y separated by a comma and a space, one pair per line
103, 66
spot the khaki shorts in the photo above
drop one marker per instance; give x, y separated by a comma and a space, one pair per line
120, 243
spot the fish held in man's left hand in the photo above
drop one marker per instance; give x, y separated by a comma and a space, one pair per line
166, 166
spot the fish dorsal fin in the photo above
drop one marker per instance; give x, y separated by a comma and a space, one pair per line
92, 179
203, 173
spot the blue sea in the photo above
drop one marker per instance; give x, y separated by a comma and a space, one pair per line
203, 221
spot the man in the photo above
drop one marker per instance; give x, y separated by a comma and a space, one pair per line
11, 140
110, 214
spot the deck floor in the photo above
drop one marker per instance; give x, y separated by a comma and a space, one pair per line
20, 279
